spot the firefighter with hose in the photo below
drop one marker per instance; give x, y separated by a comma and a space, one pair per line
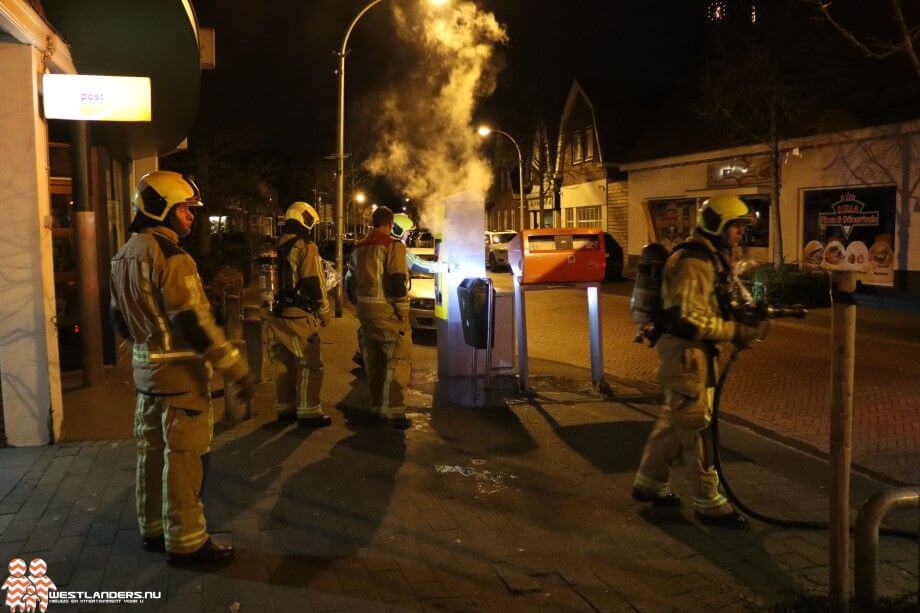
698, 290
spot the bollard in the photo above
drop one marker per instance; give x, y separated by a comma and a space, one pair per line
867, 527
233, 320
252, 335
234, 409
843, 350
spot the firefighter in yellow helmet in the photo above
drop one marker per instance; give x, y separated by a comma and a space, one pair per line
696, 278
400, 230
159, 303
380, 290
300, 309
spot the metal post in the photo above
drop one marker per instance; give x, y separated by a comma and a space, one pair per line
520, 314
340, 159
594, 326
843, 340
87, 268
490, 319
866, 538
521, 186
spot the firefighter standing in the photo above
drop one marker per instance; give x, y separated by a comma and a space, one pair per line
300, 309
158, 302
402, 226
696, 318
381, 293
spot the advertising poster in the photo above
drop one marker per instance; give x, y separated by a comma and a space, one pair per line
672, 221
851, 229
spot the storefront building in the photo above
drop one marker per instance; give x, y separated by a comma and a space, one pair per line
848, 200
43, 193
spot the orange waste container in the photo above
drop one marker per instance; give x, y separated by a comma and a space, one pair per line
558, 255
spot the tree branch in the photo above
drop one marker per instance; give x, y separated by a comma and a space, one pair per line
905, 33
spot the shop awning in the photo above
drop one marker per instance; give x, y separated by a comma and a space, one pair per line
143, 38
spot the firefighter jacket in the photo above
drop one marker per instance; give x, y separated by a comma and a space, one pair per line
301, 278
158, 301
381, 277
690, 300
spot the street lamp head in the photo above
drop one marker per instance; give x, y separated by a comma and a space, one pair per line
484, 131
360, 198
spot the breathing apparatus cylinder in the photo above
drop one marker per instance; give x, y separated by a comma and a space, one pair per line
645, 303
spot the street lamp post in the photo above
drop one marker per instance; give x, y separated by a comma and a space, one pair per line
486, 131
340, 159
340, 152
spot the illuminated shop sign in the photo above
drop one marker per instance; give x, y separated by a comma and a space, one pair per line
851, 229
96, 98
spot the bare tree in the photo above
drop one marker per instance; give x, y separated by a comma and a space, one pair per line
903, 41
755, 90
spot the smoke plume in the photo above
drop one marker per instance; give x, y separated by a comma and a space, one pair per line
428, 146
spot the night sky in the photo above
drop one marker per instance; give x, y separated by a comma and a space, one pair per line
275, 60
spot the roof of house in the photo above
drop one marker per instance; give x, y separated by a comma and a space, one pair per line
621, 110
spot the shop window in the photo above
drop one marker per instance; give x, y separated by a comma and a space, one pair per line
758, 234
588, 216
589, 144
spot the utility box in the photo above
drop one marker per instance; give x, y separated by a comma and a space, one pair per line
474, 313
558, 255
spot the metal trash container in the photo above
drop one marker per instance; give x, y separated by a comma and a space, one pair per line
473, 295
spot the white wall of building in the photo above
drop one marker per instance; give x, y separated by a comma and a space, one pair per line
29, 363
589, 193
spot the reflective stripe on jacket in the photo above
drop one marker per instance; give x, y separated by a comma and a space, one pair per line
304, 263
689, 290
379, 263
152, 281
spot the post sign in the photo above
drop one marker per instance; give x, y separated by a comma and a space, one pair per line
672, 221
851, 229
96, 98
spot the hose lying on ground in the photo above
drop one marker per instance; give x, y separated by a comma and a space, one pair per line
730, 494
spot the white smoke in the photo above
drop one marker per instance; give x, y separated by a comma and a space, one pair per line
428, 145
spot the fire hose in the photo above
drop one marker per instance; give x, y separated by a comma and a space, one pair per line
729, 492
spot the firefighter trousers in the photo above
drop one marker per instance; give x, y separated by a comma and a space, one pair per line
300, 379
171, 444
387, 348
671, 439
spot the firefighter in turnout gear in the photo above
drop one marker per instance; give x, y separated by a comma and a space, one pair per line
697, 276
300, 309
402, 225
380, 289
159, 303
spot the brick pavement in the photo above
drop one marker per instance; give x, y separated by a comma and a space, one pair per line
519, 507
781, 386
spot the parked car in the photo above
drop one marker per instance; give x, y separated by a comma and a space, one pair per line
497, 248
421, 293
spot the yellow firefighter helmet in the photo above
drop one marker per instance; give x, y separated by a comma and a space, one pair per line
402, 223
719, 211
158, 192
302, 213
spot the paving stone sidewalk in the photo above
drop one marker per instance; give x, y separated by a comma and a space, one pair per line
520, 507
781, 386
